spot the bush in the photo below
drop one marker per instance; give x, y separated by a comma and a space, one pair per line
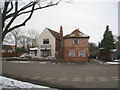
105, 54
21, 50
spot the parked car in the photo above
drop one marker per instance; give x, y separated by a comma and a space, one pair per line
25, 56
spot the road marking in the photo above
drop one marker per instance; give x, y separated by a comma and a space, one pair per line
62, 79
89, 78
76, 79
35, 78
103, 79
116, 78
48, 78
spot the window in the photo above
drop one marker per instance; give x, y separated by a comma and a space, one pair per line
71, 53
75, 41
81, 54
3, 51
45, 41
10, 51
45, 53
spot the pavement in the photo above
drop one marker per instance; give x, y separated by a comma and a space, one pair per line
88, 75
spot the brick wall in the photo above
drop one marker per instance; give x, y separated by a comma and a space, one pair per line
118, 45
82, 46
13, 54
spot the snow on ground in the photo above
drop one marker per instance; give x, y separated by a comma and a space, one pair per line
21, 61
12, 83
112, 63
25, 62
117, 61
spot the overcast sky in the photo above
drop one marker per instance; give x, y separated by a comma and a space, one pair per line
90, 16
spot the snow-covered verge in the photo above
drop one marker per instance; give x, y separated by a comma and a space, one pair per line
113, 63
117, 61
12, 83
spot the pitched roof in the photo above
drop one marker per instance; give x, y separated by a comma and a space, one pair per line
6, 47
55, 34
76, 34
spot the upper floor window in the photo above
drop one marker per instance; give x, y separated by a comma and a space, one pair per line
45, 41
71, 53
75, 41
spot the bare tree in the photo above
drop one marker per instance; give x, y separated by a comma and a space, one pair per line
12, 10
32, 36
16, 35
24, 41
8, 39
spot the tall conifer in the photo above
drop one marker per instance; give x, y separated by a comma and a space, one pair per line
107, 43
108, 39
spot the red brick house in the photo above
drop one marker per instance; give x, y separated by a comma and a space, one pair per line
73, 46
7, 51
118, 45
76, 46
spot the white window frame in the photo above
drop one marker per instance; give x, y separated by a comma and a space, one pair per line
3, 50
82, 53
71, 53
47, 39
73, 41
10, 51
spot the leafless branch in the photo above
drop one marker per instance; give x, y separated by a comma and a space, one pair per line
10, 15
23, 24
10, 8
38, 8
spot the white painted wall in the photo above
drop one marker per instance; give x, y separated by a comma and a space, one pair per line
33, 55
44, 35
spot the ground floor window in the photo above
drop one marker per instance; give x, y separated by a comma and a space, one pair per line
71, 53
10, 51
45, 53
81, 53
3, 51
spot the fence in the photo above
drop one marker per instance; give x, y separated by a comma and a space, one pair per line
13, 54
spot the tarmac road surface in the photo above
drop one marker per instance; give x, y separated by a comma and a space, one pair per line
88, 75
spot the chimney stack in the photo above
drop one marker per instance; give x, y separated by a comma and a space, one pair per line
61, 31
61, 48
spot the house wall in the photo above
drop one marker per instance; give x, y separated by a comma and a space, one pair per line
13, 54
82, 46
59, 53
58, 45
118, 45
33, 54
46, 34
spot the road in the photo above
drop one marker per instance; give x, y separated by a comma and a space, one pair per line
88, 75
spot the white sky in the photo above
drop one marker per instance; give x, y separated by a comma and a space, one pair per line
90, 16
